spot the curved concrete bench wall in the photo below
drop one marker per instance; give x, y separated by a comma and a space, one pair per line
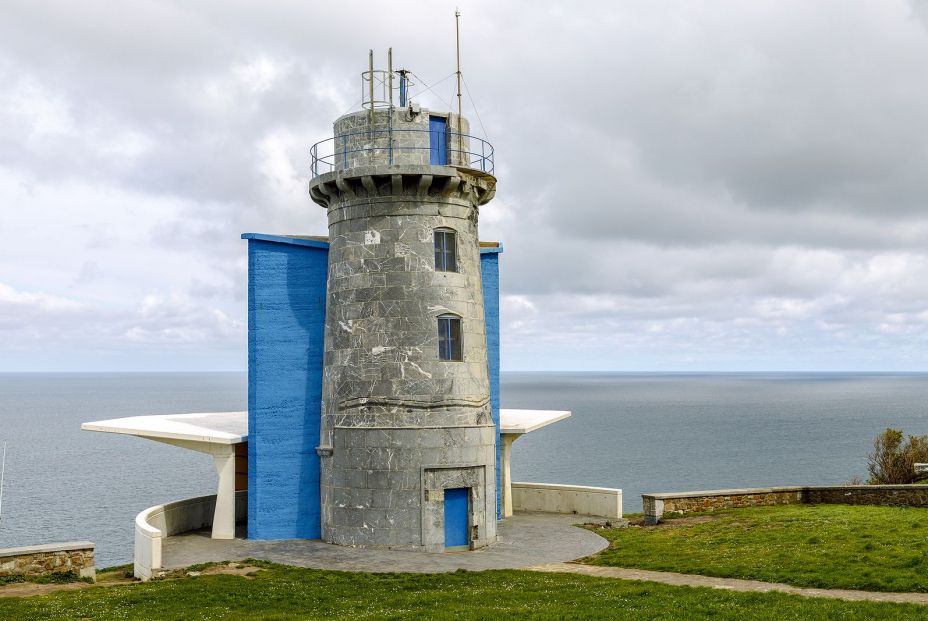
656, 505
155, 523
571, 499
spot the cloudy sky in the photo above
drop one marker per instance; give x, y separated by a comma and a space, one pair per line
720, 185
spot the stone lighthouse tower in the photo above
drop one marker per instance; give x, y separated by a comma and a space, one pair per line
407, 442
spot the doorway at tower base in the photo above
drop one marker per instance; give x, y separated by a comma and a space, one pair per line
452, 504
385, 487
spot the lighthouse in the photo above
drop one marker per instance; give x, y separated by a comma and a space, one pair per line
407, 437
374, 416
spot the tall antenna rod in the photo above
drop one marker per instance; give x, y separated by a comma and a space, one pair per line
457, 33
457, 36
390, 75
2, 472
370, 62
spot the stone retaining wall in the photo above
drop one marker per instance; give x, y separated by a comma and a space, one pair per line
41, 560
656, 505
887, 495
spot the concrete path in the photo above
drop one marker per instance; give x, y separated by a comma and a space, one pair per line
526, 539
730, 584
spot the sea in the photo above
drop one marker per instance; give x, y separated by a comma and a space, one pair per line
641, 432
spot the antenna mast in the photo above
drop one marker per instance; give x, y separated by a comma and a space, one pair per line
370, 63
457, 34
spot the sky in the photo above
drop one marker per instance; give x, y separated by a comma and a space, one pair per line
682, 185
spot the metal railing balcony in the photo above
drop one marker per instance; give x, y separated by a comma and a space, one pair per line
401, 146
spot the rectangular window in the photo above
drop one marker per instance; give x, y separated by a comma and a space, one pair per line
449, 338
445, 252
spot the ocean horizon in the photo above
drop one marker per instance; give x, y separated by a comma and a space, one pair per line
638, 431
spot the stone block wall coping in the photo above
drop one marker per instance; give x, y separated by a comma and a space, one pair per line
774, 490
655, 505
47, 547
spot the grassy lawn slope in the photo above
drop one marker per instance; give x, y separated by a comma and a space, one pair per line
280, 592
827, 546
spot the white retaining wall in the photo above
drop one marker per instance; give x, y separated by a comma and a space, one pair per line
579, 499
155, 523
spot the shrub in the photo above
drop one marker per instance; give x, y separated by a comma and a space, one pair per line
894, 457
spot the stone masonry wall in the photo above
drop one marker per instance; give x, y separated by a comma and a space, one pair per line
655, 505
731, 501
47, 559
357, 143
398, 424
886, 495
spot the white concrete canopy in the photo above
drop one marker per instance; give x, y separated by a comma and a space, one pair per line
514, 424
215, 433
210, 427
518, 422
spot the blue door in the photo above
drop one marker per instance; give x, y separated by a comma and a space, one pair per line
438, 145
456, 510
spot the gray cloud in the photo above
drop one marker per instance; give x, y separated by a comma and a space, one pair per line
680, 186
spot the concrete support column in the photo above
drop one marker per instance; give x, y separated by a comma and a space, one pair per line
506, 483
224, 514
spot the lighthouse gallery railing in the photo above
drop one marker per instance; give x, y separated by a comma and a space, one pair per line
398, 146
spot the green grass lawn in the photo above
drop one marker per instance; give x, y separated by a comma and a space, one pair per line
830, 546
280, 592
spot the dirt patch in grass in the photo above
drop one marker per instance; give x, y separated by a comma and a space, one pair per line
674, 522
637, 521
120, 575
244, 570
28, 589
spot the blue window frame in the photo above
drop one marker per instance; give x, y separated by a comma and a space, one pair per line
445, 251
449, 338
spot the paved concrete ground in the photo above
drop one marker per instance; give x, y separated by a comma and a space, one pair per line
526, 539
730, 584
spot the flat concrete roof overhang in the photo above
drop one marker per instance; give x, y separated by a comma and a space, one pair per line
218, 433
513, 424
205, 428
215, 433
518, 422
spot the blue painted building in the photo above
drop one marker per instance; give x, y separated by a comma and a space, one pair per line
286, 319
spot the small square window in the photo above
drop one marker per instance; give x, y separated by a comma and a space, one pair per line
445, 251
449, 338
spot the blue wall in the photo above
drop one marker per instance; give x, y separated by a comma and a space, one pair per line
286, 326
489, 272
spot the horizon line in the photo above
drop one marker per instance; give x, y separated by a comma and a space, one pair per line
578, 371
